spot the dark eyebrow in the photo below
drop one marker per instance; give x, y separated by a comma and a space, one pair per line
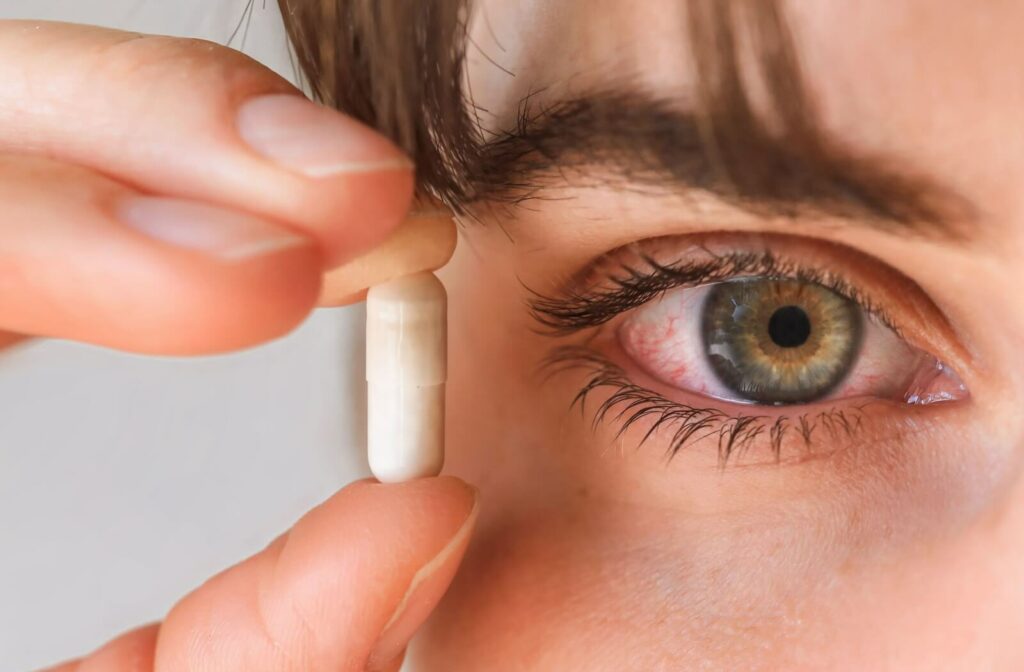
641, 141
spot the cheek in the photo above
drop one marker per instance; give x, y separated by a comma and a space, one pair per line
591, 584
592, 555
495, 427
580, 587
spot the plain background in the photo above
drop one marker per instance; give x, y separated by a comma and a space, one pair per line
125, 481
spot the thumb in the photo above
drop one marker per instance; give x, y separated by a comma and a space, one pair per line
344, 589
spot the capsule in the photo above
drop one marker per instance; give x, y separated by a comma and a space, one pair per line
406, 370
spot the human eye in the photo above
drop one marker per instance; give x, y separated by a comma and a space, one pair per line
771, 340
750, 339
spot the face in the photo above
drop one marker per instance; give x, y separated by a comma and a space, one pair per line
710, 435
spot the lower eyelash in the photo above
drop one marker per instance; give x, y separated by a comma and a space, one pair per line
630, 404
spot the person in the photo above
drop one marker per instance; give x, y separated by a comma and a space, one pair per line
734, 319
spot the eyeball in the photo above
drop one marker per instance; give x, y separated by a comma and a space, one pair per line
776, 341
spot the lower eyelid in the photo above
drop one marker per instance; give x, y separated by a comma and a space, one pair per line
677, 420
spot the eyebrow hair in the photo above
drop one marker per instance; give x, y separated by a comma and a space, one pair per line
400, 68
642, 141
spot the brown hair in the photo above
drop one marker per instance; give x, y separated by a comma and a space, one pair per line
398, 65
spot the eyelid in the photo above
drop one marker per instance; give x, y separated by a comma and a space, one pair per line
734, 430
596, 294
617, 391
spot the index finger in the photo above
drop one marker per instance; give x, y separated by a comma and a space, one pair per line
193, 120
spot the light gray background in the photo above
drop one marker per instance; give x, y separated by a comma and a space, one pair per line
125, 481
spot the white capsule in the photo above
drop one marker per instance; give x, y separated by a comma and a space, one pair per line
406, 369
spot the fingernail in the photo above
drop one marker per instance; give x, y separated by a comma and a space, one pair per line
226, 234
314, 140
426, 588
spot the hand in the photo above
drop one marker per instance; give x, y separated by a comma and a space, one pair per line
171, 196
343, 590
174, 197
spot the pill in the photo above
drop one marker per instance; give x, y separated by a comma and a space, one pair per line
406, 370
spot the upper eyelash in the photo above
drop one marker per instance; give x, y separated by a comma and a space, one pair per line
633, 287
630, 403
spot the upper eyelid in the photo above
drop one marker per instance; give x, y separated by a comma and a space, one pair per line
578, 306
578, 309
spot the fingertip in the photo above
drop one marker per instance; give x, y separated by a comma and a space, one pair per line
91, 260
447, 496
354, 185
353, 578
356, 212
425, 590
347, 214
424, 241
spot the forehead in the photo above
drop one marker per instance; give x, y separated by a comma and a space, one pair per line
553, 48
933, 83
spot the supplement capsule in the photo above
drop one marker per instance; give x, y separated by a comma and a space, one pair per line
406, 370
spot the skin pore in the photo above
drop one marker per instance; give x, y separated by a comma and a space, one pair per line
894, 546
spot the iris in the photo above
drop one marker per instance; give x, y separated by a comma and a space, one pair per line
780, 341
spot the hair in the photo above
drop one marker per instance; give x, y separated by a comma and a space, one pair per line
399, 66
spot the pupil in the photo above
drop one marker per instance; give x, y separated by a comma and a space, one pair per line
789, 327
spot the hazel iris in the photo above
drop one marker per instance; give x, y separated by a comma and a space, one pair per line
780, 341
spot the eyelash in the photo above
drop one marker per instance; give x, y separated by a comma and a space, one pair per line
633, 287
629, 403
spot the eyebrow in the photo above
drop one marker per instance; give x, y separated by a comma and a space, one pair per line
642, 141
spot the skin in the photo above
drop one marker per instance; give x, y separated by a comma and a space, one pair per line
591, 552
348, 585
902, 553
